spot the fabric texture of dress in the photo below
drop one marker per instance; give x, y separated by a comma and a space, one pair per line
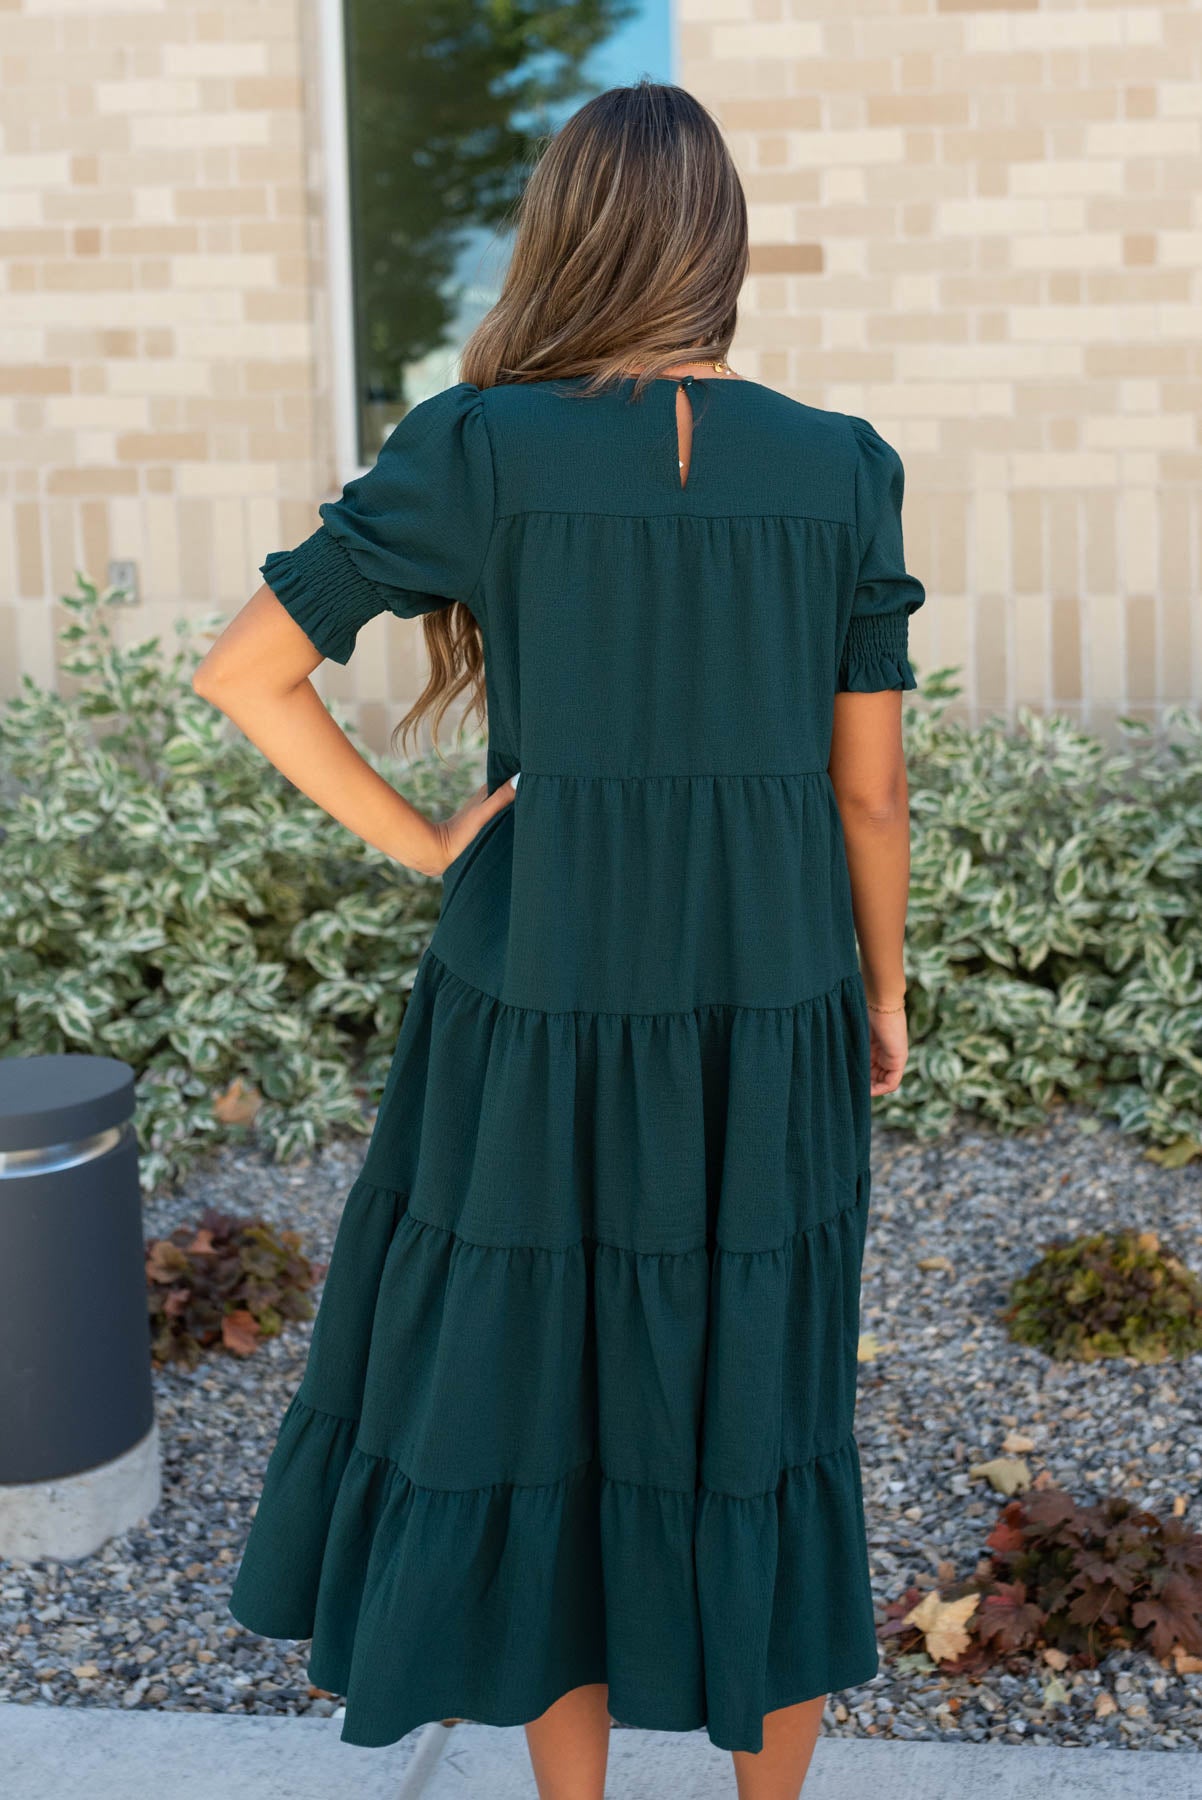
579, 1400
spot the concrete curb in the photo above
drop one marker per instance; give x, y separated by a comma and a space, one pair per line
105, 1753
491, 1763
46, 1751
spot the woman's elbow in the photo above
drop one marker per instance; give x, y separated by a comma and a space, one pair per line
877, 806
221, 685
206, 683
882, 814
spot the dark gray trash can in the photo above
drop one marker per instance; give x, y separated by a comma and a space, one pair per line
79, 1455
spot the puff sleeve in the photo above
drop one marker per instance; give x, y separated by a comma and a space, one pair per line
407, 537
875, 651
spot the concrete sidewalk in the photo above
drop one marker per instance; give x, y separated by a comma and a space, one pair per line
482, 1761
106, 1753
109, 1754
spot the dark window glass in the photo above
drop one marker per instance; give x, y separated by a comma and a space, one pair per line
446, 101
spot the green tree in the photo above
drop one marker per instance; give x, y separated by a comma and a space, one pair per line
446, 102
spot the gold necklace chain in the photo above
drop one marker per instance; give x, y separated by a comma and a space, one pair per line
718, 364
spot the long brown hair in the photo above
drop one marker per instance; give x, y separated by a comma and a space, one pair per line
630, 246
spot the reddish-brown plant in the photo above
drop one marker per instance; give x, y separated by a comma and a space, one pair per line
228, 1282
1079, 1579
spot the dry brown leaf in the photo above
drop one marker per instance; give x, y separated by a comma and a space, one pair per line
164, 1261
937, 1262
943, 1624
240, 1332
238, 1104
1006, 1474
1016, 1442
868, 1349
1184, 1663
1148, 1240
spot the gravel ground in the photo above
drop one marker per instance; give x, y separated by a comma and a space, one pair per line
949, 1385
144, 1622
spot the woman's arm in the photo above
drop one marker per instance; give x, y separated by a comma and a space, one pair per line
868, 773
257, 674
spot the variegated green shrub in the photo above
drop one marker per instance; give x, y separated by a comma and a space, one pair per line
1054, 942
167, 897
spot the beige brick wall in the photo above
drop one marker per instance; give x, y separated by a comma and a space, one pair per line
164, 338
158, 340
980, 226
977, 226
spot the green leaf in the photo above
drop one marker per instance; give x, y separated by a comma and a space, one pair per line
1177, 1154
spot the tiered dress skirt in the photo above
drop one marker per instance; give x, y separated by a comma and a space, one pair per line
579, 1401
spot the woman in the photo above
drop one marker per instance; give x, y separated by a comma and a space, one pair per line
575, 1433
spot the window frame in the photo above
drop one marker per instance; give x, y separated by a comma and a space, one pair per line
340, 274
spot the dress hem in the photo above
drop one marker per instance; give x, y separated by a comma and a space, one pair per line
636, 1718
494, 1596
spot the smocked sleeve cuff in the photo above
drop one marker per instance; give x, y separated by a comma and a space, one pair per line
323, 590
876, 654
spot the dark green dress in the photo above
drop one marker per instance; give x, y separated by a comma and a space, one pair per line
579, 1401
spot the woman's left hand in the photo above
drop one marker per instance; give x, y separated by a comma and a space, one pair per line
449, 838
889, 1050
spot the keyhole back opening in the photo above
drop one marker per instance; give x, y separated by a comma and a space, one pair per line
684, 427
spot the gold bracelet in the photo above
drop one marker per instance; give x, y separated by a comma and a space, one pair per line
873, 1007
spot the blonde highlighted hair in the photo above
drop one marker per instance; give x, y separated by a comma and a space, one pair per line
630, 247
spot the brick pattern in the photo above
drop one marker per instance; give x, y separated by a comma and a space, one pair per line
978, 225
160, 363
975, 224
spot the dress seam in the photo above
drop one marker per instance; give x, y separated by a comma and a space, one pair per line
583, 512
671, 1012
679, 775
587, 1237
656, 1487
